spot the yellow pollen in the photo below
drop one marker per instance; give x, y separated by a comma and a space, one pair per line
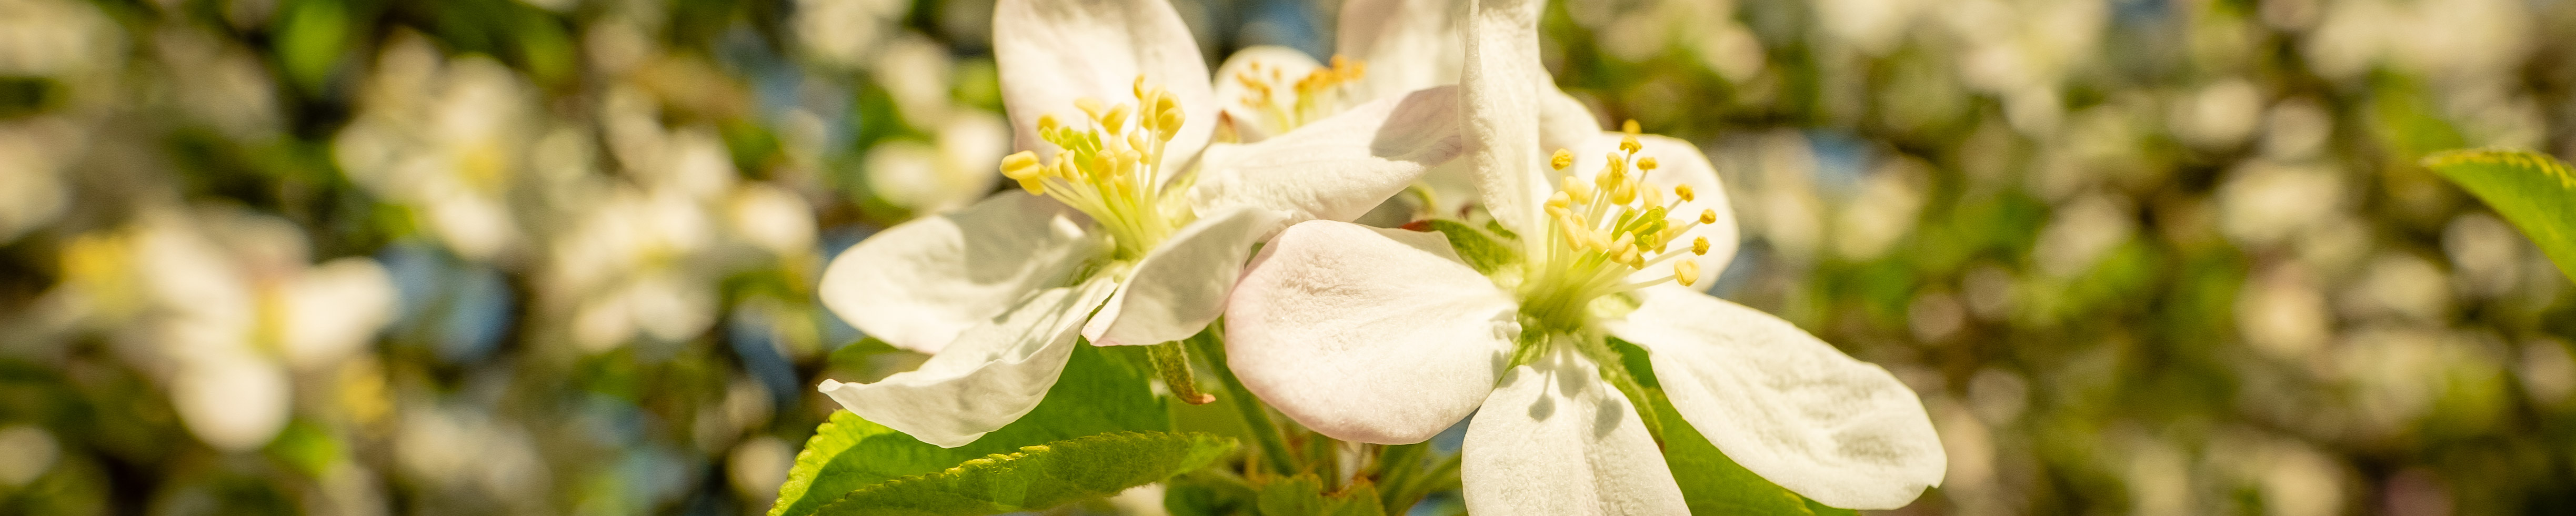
1109, 164
1283, 104
1629, 126
1608, 227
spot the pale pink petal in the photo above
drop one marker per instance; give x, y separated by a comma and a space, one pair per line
1051, 52
918, 284
1786, 405
1554, 440
993, 374
1182, 285
1367, 334
1501, 88
1339, 167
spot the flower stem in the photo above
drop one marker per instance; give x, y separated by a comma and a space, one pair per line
1274, 447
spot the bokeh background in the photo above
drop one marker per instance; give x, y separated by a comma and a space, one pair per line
364, 257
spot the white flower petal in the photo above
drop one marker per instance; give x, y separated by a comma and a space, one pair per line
993, 374
1340, 167
1240, 107
1182, 285
1367, 334
1054, 51
1786, 405
1407, 44
1564, 122
1678, 163
1556, 440
232, 400
1501, 88
918, 284
334, 310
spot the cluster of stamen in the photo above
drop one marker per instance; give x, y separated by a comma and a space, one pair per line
1109, 165
1312, 97
1607, 228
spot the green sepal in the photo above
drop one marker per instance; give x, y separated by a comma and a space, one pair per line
1483, 251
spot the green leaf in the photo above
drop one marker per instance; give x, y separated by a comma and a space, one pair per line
1207, 492
309, 42
1303, 495
1097, 394
2533, 190
1482, 250
1039, 477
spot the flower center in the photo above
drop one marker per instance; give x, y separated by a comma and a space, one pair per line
1604, 230
1110, 166
1283, 104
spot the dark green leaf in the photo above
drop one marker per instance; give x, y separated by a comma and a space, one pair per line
1207, 492
1039, 477
2533, 190
1096, 395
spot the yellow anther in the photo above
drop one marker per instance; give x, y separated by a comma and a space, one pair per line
1684, 192
1625, 241
1047, 124
1654, 196
1577, 189
1629, 127
1624, 192
1572, 226
1560, 201
1089, 106
1708, 216
1116, 120
1686, 272
1699, 245
1022, 164
1562, 159
1629, 143
1646, 163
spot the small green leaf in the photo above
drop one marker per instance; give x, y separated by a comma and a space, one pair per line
1096, 395
1482, 250
1303, 495
2533, 190
1039, 477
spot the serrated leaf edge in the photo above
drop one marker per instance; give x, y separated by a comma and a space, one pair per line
827, 508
